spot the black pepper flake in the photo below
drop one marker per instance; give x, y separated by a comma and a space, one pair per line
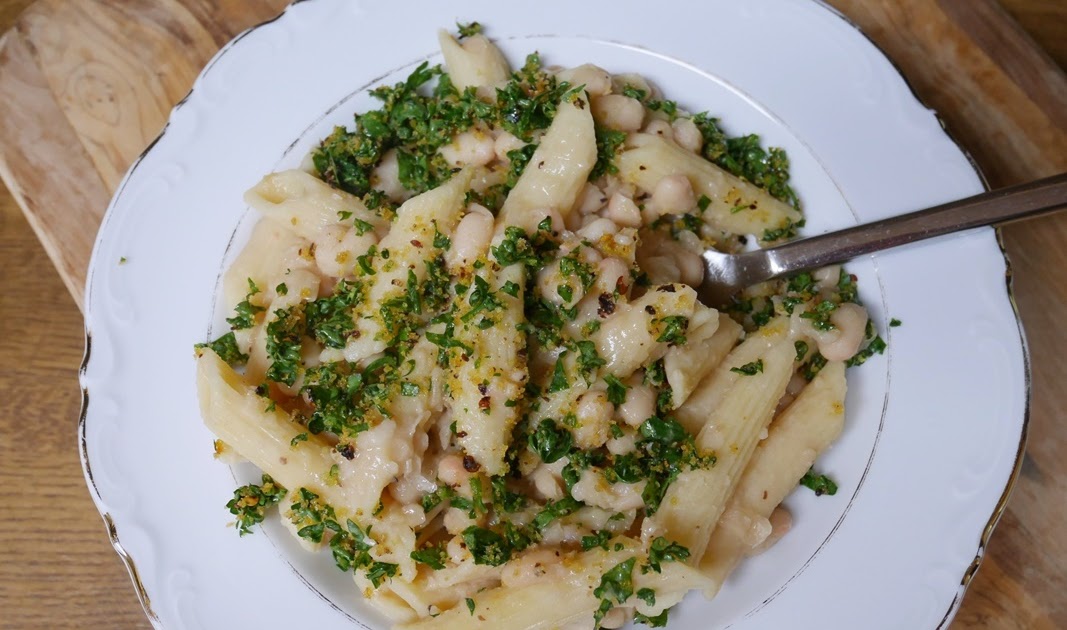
346, 451
541, 164
461, 434
651, 310
580, 103
416, 243
666, 288
607, 305
642, 167
470, 465
483, 389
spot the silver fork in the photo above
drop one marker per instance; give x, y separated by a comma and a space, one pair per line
727, 274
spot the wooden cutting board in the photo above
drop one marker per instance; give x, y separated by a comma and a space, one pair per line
85, 85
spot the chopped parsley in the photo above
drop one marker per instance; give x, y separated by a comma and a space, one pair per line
226, 347
616, 390
468, 30
662, 550
249, 503
750, 369
329, 319
672, 329
486, 546
616, 584
245, 311
285, 337
597, 539
433, 557
608, 144
559, 376
550, 441
588, 358
820, 484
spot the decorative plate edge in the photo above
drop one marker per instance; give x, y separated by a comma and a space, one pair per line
112, 531
1024, 434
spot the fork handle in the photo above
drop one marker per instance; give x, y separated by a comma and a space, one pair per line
996, 206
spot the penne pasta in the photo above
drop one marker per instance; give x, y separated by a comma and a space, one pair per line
694, 503
306, 205
652, 158
556, 172
797, 436
474, 63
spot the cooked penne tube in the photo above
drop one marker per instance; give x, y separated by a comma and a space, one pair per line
486, 383
565, 595
693, 504
711, 392
652, 158
795, 439
239, 417
633, 336
474, 63
307, 205
707, 345
402, 255
556, 172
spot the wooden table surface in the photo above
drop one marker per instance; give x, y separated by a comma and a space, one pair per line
57, 568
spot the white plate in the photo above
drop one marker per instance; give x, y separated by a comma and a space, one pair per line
935, 427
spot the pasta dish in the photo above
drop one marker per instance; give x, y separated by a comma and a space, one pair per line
466, 353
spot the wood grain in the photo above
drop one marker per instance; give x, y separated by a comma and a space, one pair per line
76, 107
57, 568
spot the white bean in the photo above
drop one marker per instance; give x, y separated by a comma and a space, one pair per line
597, 229
625, 444
451, 471
826, 277
591, 199
386, 177
674, 195
594, 490
504, 143
471, 239
597, 81
660, 127
457, 520
640, 405
548, 480
594, 419
615, 618
687, 135
612, 274
470, 148
622, 81
851, 322
781, 521
623, 211
619, 112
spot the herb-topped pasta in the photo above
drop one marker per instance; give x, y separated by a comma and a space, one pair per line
467, 355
